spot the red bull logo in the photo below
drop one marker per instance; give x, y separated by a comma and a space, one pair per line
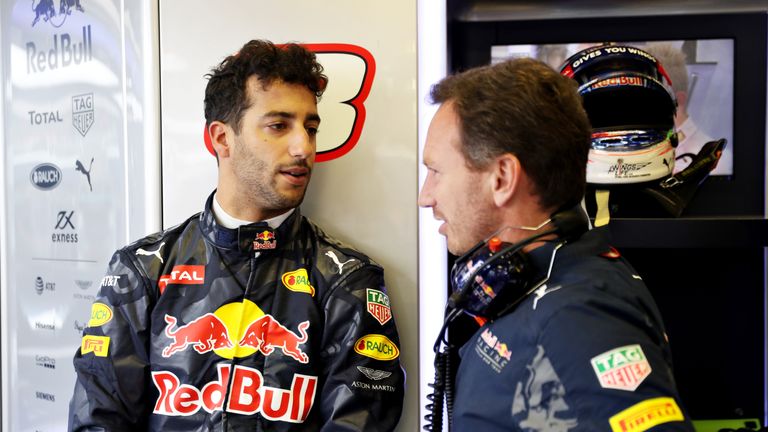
247, 395
218, 332
264, 240
266, 334
203, 334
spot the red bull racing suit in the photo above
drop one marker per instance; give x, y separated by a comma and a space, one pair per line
203, 328
584, 352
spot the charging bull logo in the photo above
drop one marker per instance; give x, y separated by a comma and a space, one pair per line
350, 70
204, 334
46, 10
266, 334
236, 330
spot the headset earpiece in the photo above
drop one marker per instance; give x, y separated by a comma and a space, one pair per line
495, 274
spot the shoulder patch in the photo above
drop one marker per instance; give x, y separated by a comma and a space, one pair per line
623, 368
377, 304
98, 345
377, 347
100, 315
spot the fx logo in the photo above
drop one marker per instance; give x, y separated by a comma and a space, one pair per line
64, 219
350, 70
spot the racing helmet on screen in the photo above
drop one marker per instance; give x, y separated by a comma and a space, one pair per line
629, 101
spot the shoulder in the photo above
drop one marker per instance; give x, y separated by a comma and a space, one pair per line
334, 256
148, 253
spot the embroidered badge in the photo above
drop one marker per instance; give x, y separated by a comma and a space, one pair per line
264, 240
378, 305
298, 281
98, 345
377, 347
622, 368
493, 352
646, 414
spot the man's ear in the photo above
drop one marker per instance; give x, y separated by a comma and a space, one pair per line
220, 138
505, 178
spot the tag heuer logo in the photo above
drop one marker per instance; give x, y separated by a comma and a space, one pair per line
82, 112
622, 368
378, 305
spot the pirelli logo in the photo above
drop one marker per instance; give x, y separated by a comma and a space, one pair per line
646, 414
98, 345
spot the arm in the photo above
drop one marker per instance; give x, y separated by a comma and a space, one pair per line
364, 382
112, 363
609, 362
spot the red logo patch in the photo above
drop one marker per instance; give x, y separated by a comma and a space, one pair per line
183, 275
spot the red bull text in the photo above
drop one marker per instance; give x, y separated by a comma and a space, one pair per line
247, 395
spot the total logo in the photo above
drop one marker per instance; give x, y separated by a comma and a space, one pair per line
351, 70
236, 330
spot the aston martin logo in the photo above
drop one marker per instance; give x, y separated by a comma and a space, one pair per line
374, 374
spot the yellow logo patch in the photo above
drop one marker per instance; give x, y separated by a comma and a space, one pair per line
100, 315
377, 347
646, 414
298, 281
98, 345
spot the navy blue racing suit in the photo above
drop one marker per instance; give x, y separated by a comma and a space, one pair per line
203, 328
586, 351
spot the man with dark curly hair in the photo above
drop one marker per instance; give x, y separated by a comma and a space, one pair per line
247, 316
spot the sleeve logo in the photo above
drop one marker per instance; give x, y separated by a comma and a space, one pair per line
378, 305
98, 345
646, 414
100, 315
623, 368
377, 347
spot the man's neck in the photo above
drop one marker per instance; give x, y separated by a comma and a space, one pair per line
229, 220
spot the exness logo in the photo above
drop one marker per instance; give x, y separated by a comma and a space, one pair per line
350, 70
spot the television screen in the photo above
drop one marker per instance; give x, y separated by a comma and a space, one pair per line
701, 72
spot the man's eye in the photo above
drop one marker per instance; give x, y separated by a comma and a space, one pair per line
312, 131
277, 126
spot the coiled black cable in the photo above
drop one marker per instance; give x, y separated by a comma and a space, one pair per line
442, 394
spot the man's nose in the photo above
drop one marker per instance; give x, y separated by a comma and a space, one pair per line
425, 195
302, 144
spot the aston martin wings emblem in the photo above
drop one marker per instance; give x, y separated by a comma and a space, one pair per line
374, 374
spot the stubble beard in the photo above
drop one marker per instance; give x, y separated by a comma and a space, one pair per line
258, 181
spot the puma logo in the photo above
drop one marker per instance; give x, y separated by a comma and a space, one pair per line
87, 173
336, 260
156, 252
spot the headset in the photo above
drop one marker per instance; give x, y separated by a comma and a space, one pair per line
487, 282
